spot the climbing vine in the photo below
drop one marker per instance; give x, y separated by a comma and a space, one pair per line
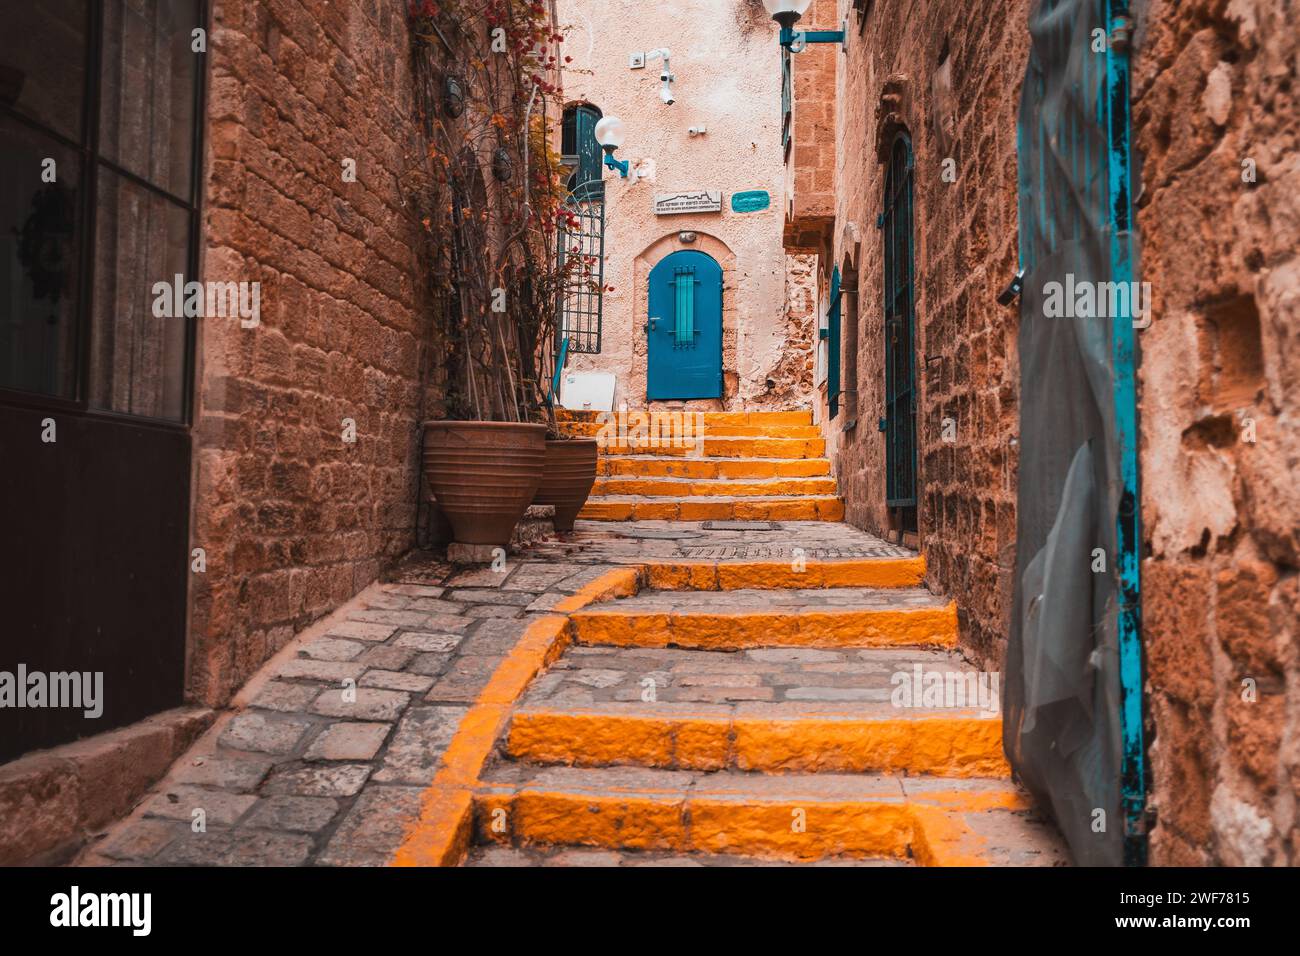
488, 191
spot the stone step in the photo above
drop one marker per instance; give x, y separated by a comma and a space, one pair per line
686, 487
669, 575
771, 710
650, 466
661, 432
705, 508
709, 447
711, 419
796, 817
499, 856
751, 618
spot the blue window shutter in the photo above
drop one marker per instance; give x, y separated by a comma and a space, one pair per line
590, 164
684, 298
833, 345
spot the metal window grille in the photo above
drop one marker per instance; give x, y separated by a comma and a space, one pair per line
581, 246
684, 283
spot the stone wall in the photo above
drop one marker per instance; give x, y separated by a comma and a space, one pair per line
810, 154
793, 383
948, 73
293, 518
1215, 107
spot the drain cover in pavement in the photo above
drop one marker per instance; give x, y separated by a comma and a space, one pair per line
741, 526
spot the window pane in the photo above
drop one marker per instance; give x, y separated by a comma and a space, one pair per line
38, 262
43, 62
147, 101
137, 359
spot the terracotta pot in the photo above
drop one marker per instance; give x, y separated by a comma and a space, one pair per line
567, 479
484, 475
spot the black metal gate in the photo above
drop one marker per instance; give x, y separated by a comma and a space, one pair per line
899, 423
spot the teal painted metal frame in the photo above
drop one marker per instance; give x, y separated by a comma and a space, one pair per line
787, 96
832, 336
789, 35
620, 164
1128, 520
560, 359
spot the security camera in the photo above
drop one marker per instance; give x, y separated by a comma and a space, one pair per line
665, 76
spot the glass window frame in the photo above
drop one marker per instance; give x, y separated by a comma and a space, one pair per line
91, 163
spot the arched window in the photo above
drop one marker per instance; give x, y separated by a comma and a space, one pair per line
578, 146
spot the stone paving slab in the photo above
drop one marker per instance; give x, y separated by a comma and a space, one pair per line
601, 542
342, 731
770, 683
792, 601
506, 777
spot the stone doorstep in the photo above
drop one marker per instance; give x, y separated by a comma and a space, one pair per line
52, 800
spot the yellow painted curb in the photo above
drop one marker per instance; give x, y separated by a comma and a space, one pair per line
741, 630
440, 835
620, 582
945, 746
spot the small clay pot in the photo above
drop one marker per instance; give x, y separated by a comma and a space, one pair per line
484, 475
567, 478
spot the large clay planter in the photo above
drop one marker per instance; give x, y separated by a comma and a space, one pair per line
484, 475
567, 479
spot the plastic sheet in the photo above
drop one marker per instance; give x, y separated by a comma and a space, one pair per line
1062, 728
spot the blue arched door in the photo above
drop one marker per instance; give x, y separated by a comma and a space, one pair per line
684, 328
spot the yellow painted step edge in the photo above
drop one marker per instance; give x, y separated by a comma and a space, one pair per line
937, 745
782, 828
743, 630
677, 488
806, 508
708, 469
856, 573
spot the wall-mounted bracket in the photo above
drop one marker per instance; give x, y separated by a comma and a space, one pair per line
796, 40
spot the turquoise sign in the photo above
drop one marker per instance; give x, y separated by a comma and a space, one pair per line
750, 201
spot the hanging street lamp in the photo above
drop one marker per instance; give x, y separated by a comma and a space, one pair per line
609, 134
787, 13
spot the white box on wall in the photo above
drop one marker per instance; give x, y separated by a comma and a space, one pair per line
587, 390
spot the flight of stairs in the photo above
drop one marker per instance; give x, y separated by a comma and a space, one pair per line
759, 466
735, 714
